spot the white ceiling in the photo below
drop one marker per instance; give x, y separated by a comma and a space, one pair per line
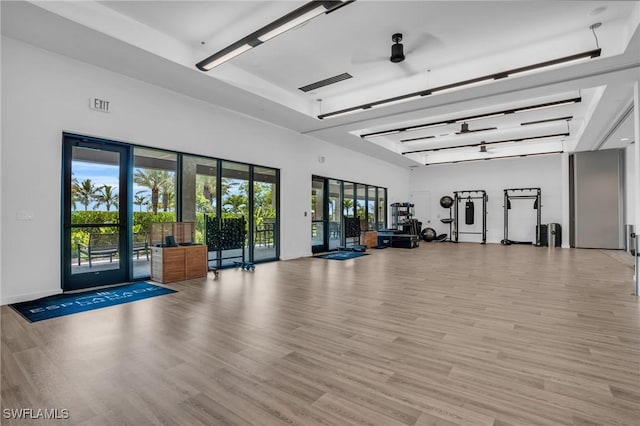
445, 42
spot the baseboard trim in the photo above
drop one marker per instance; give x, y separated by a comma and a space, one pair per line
291, 257
27, 297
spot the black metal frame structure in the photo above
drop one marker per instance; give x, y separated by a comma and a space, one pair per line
525, 194
459, 196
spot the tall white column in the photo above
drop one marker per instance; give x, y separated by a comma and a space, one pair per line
635, 186
566, 219
636, 161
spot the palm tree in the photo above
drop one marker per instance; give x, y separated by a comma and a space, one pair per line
208, 185
84, 192
167, 194
348, 206
106, 195
236, 202
74, 186
140, 199
203, 205
152, 179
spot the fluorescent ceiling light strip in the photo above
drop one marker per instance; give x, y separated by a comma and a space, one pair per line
531, 138
548, 120
494, 158
496, 76
476, 117
347, 113
393, 102
550, 66
455, 87
390, 132
537, 108
292, 24
224, 58
417, 139
289, 21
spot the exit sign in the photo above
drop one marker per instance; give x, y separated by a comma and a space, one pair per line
100, 105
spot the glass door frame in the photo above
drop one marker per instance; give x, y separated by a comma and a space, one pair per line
319, 248
118, 275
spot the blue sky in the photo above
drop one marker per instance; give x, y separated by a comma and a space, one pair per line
100, 174
105, 174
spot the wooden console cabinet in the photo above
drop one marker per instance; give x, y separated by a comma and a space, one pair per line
169, 264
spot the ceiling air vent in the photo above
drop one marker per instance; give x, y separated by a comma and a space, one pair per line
326, 82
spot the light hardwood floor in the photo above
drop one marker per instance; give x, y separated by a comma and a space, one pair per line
444, 334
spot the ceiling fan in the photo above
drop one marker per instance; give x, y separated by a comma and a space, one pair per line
464, 128
397, 48
398, 55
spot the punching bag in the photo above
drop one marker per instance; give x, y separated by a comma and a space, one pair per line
469, 212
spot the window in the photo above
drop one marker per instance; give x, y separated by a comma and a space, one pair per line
154, 196
199, 192
265, 213
371, 208
334, 200
217, 194
381, 216
113, 191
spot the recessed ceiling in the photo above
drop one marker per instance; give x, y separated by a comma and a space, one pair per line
444, 42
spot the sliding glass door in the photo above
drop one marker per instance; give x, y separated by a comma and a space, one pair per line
318, 217
217, 194
113, 192
334, 200
265, 213
335, 213
155, 199
95, 220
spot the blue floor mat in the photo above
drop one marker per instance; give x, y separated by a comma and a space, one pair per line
66, 304
342, 255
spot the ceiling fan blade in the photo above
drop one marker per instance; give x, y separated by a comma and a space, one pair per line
476, 130
408, 69
423, 41
368, 60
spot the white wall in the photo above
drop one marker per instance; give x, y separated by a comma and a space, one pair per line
44, 94
493, 176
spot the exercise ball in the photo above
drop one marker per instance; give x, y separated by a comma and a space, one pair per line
446, 201
428, 234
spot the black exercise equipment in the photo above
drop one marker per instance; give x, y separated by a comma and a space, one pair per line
223, 235
550, 235
469, 212
428, 234
470, 195
411, 226
351, 232
405, 241
441, 237
446, 202
523, 194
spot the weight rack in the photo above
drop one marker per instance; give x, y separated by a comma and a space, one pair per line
457, 197
533, 194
